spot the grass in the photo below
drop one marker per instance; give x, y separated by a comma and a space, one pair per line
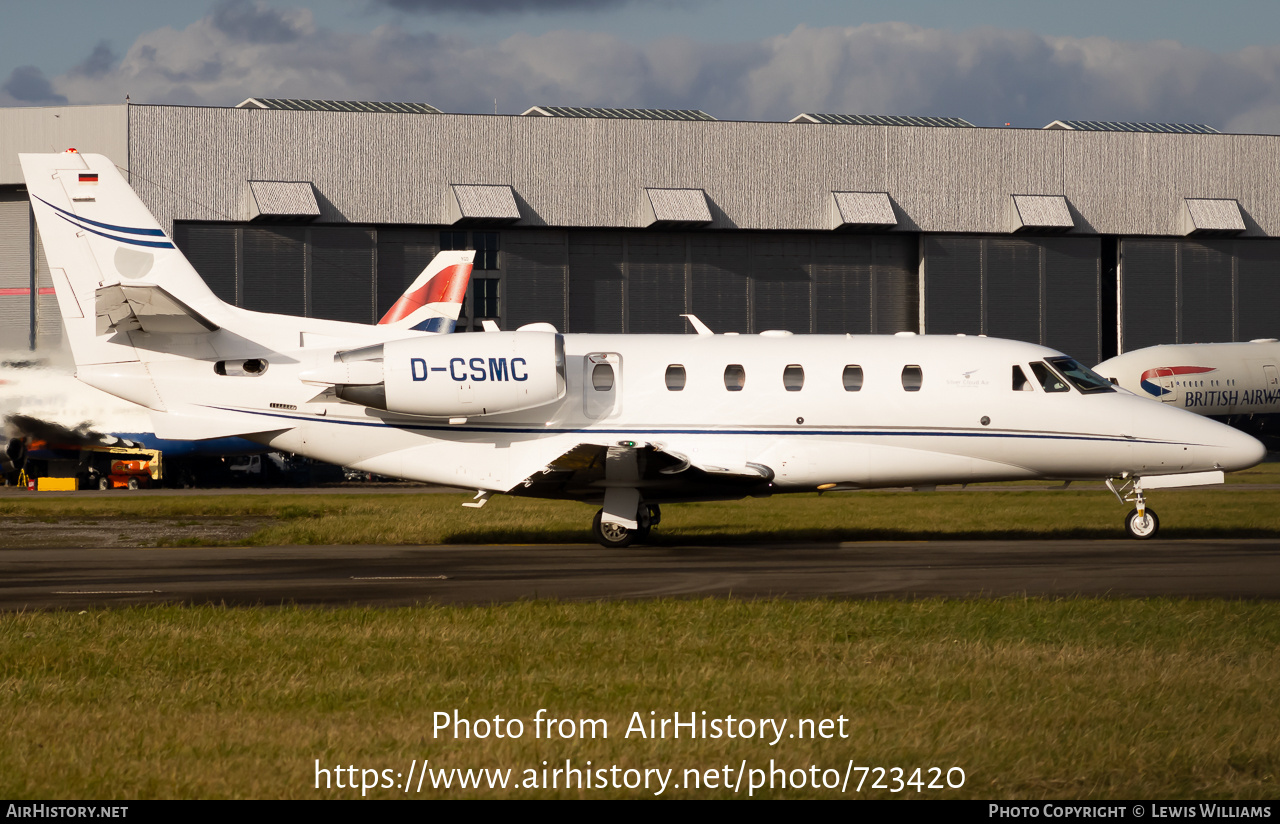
845, 516
1031, 698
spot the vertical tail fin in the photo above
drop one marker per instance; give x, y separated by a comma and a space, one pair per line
103, 244
433, 301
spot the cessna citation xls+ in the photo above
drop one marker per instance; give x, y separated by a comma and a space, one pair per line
627, 422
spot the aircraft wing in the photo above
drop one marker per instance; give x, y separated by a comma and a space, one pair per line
145, 307
193, 423
647, 465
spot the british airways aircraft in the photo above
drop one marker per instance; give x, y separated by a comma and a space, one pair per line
1235, 383
625, 422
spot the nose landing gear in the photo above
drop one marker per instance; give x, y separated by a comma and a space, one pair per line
1141, 522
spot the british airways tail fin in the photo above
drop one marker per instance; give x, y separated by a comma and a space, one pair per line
433, 301
114, 269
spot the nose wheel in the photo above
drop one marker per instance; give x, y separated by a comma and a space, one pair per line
1142, 526
1141, 522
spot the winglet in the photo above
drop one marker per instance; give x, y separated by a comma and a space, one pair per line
699, 326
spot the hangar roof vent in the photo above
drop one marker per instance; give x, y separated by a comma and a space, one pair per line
883, 120
1210, 216
861, 210
1039, 213
1112, 126
335, 106
483, 204
674, 207
287, 200
617, 114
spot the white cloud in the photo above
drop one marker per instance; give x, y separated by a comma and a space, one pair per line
988, 76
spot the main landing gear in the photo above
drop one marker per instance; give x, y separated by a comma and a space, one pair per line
1141, 522
617, 536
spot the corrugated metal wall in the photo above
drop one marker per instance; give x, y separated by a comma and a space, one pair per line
99, 129
1198, 291
377, 168
1042, 290
15, 272
48, 318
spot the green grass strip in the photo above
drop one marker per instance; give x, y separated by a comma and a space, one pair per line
1031, 698
849, 516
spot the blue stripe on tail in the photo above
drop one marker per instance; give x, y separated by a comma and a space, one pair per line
442, 326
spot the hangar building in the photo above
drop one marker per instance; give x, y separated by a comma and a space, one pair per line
1093, 238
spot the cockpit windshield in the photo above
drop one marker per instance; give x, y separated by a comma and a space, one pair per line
1049, 380
1081, 376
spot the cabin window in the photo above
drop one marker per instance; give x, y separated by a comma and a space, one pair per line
793, 377
1084, 378
735, 377
1020, 382
602, 377
1048, 380
852, 378
912, 378
675, 377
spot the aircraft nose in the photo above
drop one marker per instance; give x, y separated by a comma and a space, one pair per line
1231, 449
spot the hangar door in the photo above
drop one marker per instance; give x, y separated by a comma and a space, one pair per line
1197, 291
1041, 290
15, 272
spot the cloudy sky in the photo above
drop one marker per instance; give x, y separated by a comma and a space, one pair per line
1024, 62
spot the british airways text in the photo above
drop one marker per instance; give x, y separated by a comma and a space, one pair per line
460, 369
1233, 397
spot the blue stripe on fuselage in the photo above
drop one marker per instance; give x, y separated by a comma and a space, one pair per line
810, 431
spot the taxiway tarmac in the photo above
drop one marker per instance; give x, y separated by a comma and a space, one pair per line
390, 576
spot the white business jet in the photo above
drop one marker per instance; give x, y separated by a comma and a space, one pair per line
627, 422
1235, 383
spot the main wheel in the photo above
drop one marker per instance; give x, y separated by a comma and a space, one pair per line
104, 483
611, 535
1142, 528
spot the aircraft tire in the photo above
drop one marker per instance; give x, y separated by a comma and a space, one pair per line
103, 483
612, 535
1142, 528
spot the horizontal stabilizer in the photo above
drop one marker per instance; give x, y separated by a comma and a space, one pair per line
145, 307
193, 423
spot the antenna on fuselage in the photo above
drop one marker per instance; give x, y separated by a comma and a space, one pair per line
700, 327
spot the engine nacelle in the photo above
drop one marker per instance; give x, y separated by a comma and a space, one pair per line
462, 375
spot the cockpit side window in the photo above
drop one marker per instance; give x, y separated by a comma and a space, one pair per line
1048, 379
1020, 382
1084, 378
